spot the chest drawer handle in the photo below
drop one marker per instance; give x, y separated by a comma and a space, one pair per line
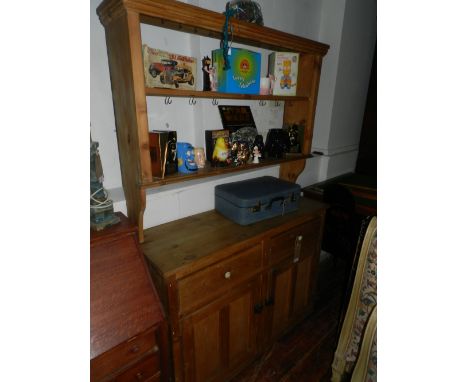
135, 349
227, 275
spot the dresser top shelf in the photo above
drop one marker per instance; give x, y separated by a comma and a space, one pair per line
191, 19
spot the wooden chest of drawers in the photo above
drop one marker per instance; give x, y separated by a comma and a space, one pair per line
231, 290
128, 327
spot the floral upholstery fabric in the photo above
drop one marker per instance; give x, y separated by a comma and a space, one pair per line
367, 301
372, 365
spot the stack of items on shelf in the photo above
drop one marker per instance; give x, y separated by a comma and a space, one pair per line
237, 144
176, 71
228, 70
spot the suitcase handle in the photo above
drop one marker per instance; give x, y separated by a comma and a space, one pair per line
279, 198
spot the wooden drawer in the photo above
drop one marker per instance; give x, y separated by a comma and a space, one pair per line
122, 354
295, 243
213, 280
146, 370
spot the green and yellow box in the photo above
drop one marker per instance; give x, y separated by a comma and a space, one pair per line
244, 75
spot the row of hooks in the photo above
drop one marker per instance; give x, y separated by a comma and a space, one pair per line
193, 101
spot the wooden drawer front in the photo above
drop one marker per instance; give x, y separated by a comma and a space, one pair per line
122, 354
146, 370
295, 243
205, 284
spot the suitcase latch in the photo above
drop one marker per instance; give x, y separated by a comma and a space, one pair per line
256, 208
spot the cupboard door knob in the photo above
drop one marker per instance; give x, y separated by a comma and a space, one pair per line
297, 248
227, 275
258, 308
269, 301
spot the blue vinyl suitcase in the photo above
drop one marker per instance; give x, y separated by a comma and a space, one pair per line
249, 201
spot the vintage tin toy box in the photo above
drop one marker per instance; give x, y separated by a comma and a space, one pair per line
284, 66
169, 70
252, 200
244, 75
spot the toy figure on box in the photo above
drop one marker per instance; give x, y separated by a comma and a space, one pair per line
220, 152
186, 158
286, 78
207, 74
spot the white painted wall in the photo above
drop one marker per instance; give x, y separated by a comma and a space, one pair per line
351, 31
320, 20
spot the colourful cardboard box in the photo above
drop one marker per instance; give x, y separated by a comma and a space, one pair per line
169, 70
284, 67
244, 75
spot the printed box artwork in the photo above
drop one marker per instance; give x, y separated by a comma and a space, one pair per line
244, 75
169, 70
284, 67
218, 147
163, 152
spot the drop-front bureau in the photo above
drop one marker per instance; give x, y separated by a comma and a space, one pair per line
129, 340
231, 290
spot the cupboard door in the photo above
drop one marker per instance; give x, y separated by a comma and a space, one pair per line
280, 298
290, 294
291, 279
219, 338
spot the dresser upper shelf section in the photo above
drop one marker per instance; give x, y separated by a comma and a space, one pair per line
166, 92
188, 18
209, 171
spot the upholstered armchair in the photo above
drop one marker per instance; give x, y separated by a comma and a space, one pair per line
360, 318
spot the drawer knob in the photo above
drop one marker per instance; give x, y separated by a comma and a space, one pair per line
135, 349
227, 275
139, 376
299, 238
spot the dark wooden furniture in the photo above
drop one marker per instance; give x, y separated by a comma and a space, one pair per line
361, 187
231, 290
129, 339
122, 20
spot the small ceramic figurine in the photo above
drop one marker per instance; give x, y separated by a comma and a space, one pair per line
199, 157
256, 154
293, 133
185, 158
207, 73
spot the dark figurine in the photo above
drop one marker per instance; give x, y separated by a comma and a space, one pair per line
277, 143
260, 146
207, 73
240, 153
294, 144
